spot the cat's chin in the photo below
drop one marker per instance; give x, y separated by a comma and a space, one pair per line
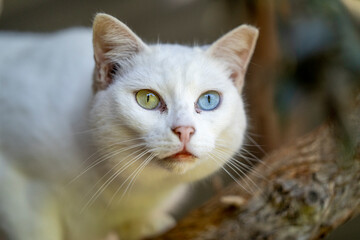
179, 163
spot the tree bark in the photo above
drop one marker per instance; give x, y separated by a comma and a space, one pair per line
307, 189
261, 78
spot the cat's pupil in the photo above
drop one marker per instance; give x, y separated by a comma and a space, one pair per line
147, 97
208, 98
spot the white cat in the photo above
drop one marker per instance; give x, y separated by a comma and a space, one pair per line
156, 118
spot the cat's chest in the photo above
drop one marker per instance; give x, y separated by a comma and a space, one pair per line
118, 202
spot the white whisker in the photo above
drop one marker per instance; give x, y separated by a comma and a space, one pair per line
222, 167
109, 180
113, 167
244, 176
105, 158
249, 168
254, 157
133, 177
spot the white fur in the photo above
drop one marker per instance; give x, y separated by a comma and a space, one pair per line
51, 125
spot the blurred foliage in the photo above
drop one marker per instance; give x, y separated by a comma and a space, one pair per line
320, 45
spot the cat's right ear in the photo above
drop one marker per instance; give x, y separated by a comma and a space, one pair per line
235, 50
114, 46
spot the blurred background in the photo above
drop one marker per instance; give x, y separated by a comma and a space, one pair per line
305, 71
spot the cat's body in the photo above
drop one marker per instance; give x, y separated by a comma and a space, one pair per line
128, 165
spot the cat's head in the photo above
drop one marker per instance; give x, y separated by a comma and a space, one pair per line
175, 107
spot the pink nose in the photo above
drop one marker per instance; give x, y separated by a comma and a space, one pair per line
184, 133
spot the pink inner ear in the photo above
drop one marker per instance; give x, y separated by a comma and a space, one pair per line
234, 75
108, 75
244, 56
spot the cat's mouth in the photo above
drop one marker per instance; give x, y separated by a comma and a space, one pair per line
179, 162
182, 156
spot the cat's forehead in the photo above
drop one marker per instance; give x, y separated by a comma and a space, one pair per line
174, 58
175, 51
175, 68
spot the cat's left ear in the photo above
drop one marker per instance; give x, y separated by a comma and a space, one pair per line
114, 47
235, 50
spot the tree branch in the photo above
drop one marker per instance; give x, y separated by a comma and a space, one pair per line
308, 188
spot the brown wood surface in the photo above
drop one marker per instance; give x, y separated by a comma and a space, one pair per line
308, 188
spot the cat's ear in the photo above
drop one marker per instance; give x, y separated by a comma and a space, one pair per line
235, 50
114, 46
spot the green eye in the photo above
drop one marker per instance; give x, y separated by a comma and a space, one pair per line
147, 99
209, 101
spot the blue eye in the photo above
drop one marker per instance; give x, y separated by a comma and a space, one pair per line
208, 101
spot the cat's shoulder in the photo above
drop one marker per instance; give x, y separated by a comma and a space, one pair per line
35, 57
16, 38
20, 45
